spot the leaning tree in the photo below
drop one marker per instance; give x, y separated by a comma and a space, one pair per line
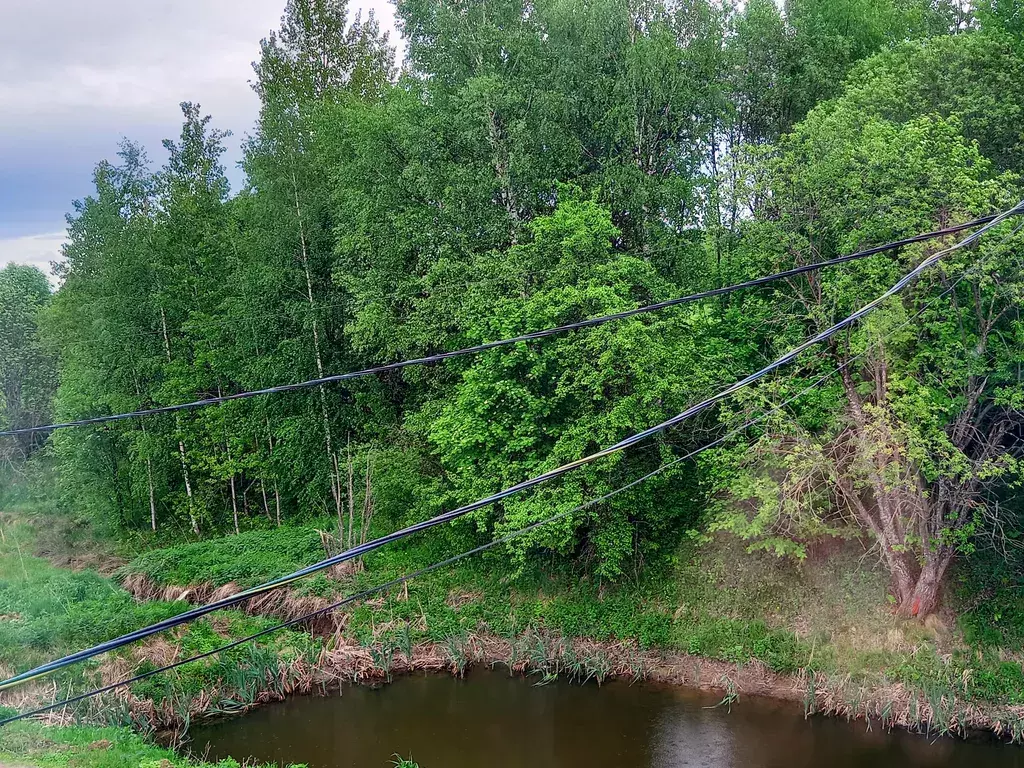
913, 439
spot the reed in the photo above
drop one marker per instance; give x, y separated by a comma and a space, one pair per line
731, 693
457, 650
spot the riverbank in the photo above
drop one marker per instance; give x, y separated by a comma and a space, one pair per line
765, 631
543, 658
39, 745
487, 718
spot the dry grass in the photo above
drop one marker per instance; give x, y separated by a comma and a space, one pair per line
458, 598
838, 595
281, 603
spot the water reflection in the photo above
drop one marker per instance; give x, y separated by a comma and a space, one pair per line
490, 720
686, 734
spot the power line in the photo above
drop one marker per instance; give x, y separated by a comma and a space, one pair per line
420, 572
370, 546
825, 377
502, 540
984, 221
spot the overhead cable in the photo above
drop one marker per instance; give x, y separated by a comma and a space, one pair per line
476, 550
442, 356
446, 517
385, 586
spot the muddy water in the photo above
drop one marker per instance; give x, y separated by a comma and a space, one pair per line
490, 720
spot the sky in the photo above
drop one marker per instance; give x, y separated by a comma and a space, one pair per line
77, 77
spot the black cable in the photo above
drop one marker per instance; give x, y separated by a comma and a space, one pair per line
504, 539
505, 342
370, 546
415, 574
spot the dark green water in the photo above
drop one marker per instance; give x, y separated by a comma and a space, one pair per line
490, 720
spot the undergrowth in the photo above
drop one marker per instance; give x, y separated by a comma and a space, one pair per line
46, 610
772, 613
247, 559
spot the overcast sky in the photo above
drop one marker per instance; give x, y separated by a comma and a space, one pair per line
76, 77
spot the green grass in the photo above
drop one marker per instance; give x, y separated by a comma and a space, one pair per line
989, 591
247, 559
700, 605
48, 610
33, 744
829, 616
677, 607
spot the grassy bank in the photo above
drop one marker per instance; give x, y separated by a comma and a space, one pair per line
821, 633
35, 744
44, 746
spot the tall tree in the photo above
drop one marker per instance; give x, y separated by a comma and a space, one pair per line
516, 412
192, 279
27, 371
922, 425
316, 58
103, 323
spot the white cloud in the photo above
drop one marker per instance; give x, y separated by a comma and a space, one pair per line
76, 77
135, 59
37, 250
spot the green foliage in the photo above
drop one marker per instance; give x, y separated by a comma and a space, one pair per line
1002, 14
516, 412
27, 371
995, 680
248, 559
966, 76
538, 164
889, 432
49, 611
495, 189
739, 641
334, 257
997, 620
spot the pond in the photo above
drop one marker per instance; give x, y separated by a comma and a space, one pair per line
491, 720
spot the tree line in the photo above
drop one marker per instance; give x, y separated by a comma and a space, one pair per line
533, 164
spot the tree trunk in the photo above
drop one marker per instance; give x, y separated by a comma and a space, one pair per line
368, 503
181, 442
502, 171
234, 503
897, 507
149, 469
266, 503
923, 599
351, 500
231, 478
152, 495
332, 458
188, 487
277, 492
